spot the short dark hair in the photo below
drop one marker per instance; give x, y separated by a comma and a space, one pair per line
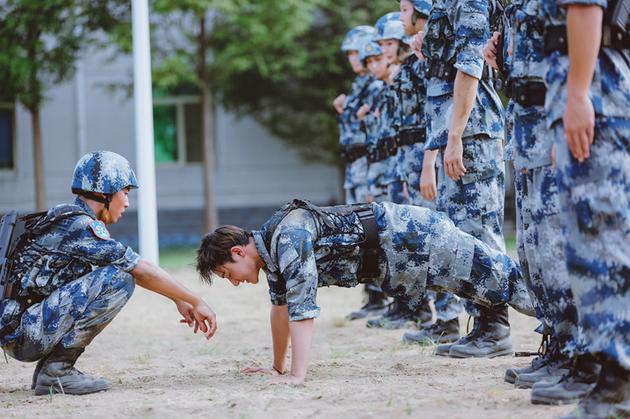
215, 247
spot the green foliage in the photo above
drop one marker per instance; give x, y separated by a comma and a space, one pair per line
278, 61
40, 41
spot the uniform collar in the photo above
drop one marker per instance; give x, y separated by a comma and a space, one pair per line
85, 207
263, 252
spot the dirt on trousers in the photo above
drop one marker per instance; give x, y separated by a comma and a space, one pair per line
156, 367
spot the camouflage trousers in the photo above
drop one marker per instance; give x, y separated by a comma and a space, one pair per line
475, 203
356, 195
540, 247
447, 305
595, 202
72, 315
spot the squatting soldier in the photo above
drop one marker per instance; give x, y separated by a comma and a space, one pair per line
410, 87
587, 106
405, 249
466, 126
70, 279
352, 140
539, 235
390, 36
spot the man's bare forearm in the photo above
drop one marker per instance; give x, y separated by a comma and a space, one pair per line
429, 159
464, 93
584, 29
301, 338
156, 279
279, 317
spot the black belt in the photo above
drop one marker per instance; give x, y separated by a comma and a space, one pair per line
448, 72
354, 153
391, 144
527, 93
378, 153
371, 248
411, 136
612, 37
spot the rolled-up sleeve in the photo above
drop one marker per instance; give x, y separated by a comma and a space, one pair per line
472, 29
296, 261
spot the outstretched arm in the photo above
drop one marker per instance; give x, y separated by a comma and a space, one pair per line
192, 308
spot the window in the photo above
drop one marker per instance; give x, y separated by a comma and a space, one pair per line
177, 129
7, 136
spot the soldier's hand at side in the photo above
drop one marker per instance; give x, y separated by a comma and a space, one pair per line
339, 102
490, 50
428, 184
579, 125
205, 319
363, 110
454, 158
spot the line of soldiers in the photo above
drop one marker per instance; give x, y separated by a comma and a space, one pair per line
424, 107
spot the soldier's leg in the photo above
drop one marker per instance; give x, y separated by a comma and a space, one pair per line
595, 202
60, 327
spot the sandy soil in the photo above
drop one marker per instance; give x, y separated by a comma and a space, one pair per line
158, 368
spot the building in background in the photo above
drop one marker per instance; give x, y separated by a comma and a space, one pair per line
255, 172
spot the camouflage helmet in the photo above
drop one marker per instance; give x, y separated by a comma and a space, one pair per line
102, 172
389, 26
423, 7
357, 37
370, 49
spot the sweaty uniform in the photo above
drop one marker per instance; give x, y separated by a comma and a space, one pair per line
84, 281
418, 248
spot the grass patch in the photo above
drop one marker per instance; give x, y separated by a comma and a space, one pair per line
178, 257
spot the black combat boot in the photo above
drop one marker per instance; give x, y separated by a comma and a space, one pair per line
398, 316
571, 387
38, 368
423, 315
445, 348
58, 375
558, 365
492, 339
438, 332
376, 305
543, 358
610, 398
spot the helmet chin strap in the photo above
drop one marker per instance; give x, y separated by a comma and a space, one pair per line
94, 197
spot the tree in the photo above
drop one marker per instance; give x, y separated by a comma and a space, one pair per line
39, 44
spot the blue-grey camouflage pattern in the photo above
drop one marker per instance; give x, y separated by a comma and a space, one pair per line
422, 6
357, 37
540, 242
421, 249
455, 34
595, 196
351, 135
104, 172
377, 188
66, 254
389, 26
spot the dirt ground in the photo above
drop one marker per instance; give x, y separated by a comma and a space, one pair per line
158, 368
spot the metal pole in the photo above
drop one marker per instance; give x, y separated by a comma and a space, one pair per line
145, 164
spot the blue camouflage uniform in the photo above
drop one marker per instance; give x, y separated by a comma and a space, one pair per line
539, 236
595, 195
410, 86
455, 35
84, 281
352, 139
419, 248
377, 187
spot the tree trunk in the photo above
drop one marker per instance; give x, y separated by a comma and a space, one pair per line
38, 163
211, 217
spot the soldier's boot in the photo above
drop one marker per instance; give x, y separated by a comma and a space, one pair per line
610, 398
58, 375
423, 316
445, 348
493, 338
543, 358
397, 316
38, 368
376, 305
438, 332
572, 387
558, 366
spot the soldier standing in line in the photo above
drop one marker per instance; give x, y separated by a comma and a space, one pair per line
353, 149
466, 127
